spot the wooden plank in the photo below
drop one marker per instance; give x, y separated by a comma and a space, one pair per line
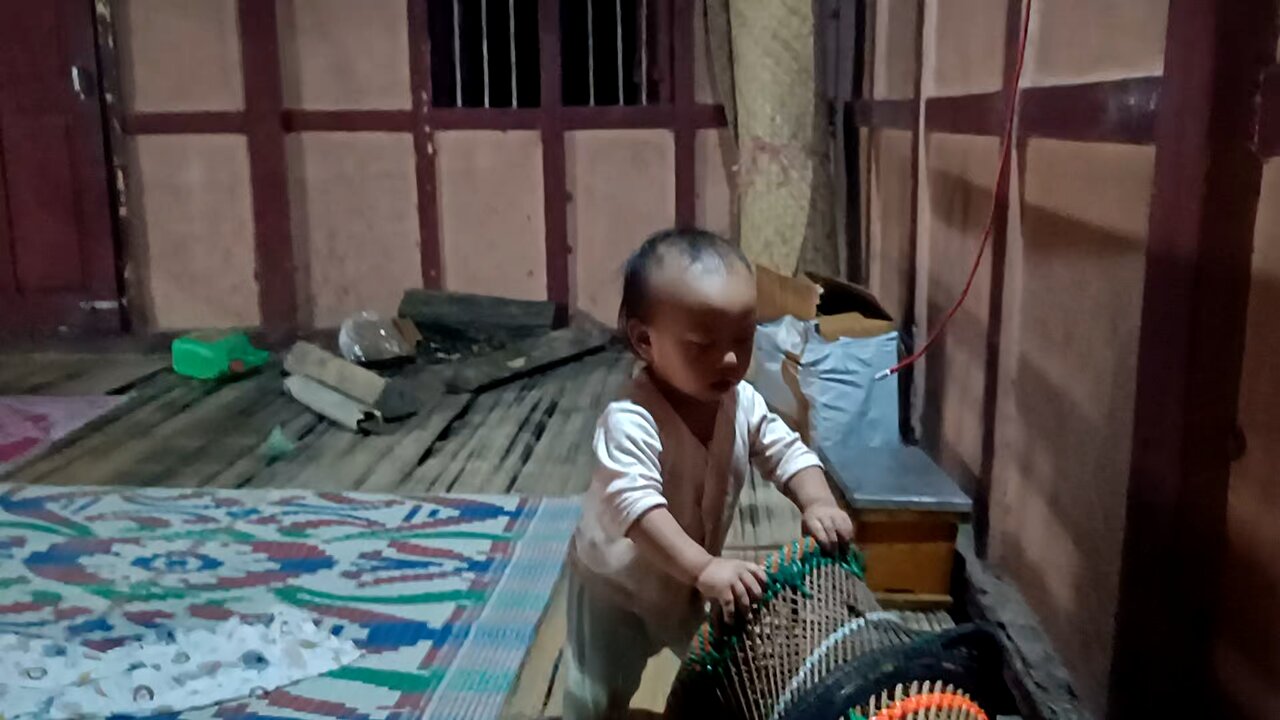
288, 472
469, 464
561, 463
240, 443
112, 375
146, 456
392, 471
1190, 352
527, 358
299, 426
1035, 674
136, 418
31, 375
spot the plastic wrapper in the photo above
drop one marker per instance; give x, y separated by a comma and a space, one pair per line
366, 337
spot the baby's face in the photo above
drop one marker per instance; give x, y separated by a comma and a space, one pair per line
701, 328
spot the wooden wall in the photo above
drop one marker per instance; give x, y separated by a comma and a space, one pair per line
1248, 650
1030, 398
285, 169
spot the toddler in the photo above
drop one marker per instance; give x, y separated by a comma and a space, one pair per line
671, 458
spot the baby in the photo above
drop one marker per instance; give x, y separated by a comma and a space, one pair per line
671, 458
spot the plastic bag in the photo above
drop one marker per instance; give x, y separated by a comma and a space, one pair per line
847, 404
774, 342
366, 338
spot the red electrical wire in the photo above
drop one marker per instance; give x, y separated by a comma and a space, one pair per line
1005, 152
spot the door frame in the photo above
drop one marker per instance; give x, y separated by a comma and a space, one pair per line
98, 308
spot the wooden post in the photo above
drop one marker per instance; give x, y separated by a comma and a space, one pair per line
268, 170
1191, 347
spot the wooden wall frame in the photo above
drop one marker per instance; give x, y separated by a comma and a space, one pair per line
266, 122
1213, 117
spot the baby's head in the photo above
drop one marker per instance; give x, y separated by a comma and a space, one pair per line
689, 311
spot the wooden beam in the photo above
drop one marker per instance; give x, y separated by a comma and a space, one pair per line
420, 124
891, 114
1269, 130
555, 192
349, 120
1013, 26
685, 130
1116, 111
604, 117
1190, 352
268, 171
182, 123
977, 114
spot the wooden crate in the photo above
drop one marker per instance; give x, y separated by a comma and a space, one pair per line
906, 515
909, 554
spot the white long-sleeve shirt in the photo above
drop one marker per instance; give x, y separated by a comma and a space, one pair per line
646, 457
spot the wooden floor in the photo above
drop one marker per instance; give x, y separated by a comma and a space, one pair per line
530, 437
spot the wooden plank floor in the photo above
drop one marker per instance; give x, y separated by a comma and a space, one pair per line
530, 437
76, 373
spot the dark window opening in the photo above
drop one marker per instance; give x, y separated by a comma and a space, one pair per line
484, 53
608, 52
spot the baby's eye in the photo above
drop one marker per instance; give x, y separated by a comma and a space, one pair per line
699, 342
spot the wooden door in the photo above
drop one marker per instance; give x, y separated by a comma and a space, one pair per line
57, 254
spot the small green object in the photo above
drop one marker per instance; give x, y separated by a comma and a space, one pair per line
211, 357
277, 445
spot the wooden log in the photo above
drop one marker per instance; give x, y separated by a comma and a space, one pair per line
434, 311
393, 400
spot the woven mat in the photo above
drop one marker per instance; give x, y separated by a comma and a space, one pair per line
29, 423
443, 594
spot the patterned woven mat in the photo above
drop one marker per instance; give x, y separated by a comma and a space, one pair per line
443, 594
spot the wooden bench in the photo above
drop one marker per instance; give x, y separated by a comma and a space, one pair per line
906, 514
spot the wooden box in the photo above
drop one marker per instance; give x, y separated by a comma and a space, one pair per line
906, 515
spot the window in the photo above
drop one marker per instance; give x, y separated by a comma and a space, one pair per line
485, 53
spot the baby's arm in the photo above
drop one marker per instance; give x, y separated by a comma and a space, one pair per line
821, 516
782, 457
724, 581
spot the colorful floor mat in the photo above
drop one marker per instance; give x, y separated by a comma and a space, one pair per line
442, 594
29, 423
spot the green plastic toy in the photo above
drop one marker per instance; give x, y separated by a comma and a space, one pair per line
210, 356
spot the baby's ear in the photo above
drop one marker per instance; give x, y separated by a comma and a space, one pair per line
641, 339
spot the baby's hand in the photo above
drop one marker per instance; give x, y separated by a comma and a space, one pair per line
829, 525
731, 584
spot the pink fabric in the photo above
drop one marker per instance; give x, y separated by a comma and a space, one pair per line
30, 423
